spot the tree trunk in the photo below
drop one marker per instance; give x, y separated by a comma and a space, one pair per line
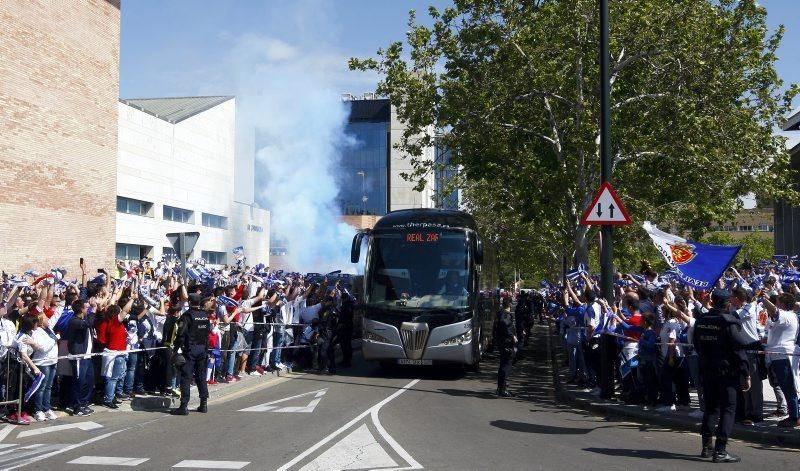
581, 245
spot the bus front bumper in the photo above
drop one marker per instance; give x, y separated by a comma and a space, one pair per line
445, 344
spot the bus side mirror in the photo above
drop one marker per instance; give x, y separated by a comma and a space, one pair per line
478, 251
355, 249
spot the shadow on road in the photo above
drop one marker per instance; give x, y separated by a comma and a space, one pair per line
527, 427
645, 454
538, 428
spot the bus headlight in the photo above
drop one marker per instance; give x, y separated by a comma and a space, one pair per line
458, 339
373, 337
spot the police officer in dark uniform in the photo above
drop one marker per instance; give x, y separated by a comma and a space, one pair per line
505, 340
192, 339
723, 366
346, 328
328, 329
522, 317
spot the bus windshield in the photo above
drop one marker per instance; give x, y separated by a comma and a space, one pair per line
419, 269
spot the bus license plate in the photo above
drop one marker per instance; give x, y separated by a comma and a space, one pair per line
406, 361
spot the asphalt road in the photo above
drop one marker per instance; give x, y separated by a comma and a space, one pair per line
365, 418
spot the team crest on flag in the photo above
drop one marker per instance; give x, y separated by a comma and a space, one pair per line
682, 253
693, 263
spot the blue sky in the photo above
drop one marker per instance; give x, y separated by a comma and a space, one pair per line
182, 47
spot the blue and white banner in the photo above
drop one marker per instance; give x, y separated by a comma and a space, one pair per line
226, 301
575, 274
696, 264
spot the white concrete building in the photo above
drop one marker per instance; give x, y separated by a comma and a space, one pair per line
179, 171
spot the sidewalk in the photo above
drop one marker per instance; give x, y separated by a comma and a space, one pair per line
765, 432
216, 393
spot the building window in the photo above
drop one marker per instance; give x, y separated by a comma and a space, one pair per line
178, 215
132, 206
745, 228
133, 252
278, 251
212, 220
763, 228
214, 258
253, 228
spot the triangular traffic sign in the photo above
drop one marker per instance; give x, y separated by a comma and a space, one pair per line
183, 242
271, 407
606, 209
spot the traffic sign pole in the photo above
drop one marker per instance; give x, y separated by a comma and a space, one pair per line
607, 248
607, 346
183, 243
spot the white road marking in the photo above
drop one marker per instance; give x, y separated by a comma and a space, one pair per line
78, 445
346, 426
27, 451
212, 464
359, 450
26, 447
108, 460
412, 463
306, 409
57, 428
5, 431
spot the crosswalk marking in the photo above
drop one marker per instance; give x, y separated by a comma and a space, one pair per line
26, 447
6, 430
85, 426
108, 460
209, 464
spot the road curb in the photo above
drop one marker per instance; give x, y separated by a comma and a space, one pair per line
757, 434
220, 392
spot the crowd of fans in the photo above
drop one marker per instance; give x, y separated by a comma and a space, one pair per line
68, 345
650, 321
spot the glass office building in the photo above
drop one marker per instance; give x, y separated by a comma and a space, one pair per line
445, 197
365, 162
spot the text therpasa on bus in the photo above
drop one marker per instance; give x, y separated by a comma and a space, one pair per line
422, 237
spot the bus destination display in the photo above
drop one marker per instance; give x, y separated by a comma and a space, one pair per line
422, 237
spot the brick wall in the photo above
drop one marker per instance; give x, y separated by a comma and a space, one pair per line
59, 85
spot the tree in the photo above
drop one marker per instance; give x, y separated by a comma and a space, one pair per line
512, 88
755, 247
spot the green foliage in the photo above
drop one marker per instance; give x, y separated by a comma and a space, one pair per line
755, 247
511, 87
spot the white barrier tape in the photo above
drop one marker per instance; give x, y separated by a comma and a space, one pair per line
262, 348
264, 323
110, 353
80, 356
115, 353
757, 352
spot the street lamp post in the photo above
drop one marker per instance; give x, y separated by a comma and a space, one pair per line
363, 189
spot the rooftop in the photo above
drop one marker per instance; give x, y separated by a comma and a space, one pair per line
177, 109
793, 121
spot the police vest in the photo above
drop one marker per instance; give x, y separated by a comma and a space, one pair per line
715, 345
198, 328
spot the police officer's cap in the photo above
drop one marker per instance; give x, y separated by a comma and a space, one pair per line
720, 296
195, 299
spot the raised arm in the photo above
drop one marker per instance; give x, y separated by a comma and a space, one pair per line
83, 273
771, 308
633, 279
13, 297
588, 280
572, 294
